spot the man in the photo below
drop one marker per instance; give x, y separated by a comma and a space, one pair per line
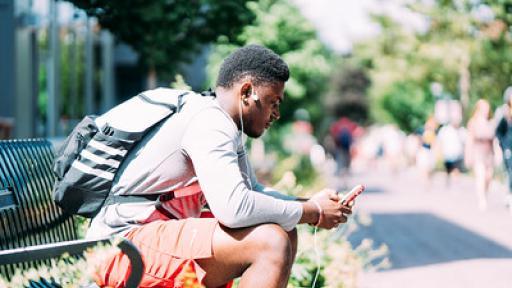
253, 233
503, 116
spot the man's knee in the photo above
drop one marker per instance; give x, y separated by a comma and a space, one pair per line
275, 243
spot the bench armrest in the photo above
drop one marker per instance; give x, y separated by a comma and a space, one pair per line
54, 250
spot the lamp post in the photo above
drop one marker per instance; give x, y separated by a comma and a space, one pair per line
52, 107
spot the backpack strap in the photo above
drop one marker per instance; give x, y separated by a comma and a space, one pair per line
160, 199
111, 199
171, 107
134, 198
208, 92
182, 192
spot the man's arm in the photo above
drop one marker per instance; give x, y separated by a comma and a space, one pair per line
211, 142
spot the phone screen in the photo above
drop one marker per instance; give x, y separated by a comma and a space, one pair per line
350, 196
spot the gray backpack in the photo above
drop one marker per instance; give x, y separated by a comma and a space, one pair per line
85, 166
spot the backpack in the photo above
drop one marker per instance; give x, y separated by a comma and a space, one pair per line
344, 138
86, 164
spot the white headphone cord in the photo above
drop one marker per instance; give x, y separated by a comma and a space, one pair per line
246, 174
317, 258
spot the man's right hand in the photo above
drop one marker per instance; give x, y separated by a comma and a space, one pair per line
324, 211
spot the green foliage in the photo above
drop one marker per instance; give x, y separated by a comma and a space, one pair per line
280, 27
71, 76
327, 252
82, 224
347, 93
468, 54
408, 105
493, 60
304, 270
300, 166
340, 262
274, 138
42, 97
166, 33
179, 83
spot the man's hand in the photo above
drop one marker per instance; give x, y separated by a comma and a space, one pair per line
324, 210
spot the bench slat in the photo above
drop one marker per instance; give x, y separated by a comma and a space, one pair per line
25, 169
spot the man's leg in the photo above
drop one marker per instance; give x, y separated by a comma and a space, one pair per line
509, 176
263, 255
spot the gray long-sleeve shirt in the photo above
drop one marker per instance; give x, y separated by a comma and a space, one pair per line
201, 143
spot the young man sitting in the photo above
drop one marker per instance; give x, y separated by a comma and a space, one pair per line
199, 154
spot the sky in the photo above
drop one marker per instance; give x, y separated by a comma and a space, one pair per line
342, 22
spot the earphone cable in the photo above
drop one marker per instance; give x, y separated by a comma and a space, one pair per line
246, 174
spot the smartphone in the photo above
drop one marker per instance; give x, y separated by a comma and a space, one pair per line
351, 196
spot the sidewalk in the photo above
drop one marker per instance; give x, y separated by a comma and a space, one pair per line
437, 238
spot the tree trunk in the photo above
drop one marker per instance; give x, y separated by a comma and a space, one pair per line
151, 79
464, 81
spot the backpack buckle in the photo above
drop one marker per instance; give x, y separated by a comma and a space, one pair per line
166, 197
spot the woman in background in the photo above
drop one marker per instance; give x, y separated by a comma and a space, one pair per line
479, 154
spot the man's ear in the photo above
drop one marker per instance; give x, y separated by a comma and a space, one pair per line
245, 92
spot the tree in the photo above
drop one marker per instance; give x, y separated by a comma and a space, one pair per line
166, 33
347, 92
494, 60
280, 27
409, 104
465, 47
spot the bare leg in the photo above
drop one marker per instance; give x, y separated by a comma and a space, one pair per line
263, 255
481, 185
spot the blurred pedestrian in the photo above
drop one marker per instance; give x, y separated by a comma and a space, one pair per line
425, 159
479, 152
450, 141
393, 147
342, 131
412, 145
300, 140
504, 135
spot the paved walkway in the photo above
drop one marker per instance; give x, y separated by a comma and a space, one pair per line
437, 238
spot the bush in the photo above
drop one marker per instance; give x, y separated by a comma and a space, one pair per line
340, 263
66, 271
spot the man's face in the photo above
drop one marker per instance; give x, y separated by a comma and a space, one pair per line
259, 115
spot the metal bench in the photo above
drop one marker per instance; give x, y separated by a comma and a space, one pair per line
29, 219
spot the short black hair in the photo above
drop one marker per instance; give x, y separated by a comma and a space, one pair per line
258, 62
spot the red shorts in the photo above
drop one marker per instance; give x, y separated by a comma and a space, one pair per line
168, 250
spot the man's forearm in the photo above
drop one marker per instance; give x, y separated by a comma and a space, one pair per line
310, 213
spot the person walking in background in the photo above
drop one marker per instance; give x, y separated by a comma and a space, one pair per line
479, 152
451, 139
300, 140
504, 135
425, 159
342, 131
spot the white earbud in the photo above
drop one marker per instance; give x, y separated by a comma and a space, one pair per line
255, 97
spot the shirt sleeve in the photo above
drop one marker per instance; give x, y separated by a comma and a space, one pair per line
211, 141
